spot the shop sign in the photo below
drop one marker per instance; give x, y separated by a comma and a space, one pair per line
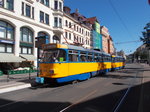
26, 44
49, 46
7, 41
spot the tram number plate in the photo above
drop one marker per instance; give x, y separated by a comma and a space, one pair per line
40, 80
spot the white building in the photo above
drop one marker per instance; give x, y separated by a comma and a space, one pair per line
23, 20
76, 29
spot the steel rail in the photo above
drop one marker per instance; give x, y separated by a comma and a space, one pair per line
121, 101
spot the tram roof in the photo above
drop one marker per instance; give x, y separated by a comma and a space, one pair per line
82, 49
65, 46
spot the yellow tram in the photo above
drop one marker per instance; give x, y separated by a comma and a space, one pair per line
63, 63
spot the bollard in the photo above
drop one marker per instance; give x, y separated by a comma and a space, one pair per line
29, 74
8, 77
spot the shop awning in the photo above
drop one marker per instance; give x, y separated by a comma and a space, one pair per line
10, 58
28, 57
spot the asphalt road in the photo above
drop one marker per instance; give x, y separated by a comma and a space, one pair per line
118, 91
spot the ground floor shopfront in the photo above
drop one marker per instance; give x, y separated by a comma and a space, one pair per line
17, 41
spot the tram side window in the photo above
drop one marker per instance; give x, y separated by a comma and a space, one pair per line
83, 57
54, 56
96, 59
104, 58
90, 57
73, 56
109, 58
100, 58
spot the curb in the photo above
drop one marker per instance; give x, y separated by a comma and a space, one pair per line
13, 87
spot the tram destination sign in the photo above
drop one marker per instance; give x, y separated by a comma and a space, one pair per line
49, 46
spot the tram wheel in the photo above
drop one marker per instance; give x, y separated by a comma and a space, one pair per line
75, 82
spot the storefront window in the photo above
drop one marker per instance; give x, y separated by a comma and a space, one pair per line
9, 48
6, 48
24, 50
2, 48
29, 50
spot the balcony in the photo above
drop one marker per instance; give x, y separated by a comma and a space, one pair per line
58, 30
57, 12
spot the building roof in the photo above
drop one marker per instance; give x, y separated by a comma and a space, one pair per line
92, 20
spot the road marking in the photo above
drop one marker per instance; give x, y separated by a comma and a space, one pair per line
77, 102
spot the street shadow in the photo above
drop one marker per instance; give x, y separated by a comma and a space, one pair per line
107, 103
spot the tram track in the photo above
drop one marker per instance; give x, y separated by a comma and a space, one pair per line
123, 98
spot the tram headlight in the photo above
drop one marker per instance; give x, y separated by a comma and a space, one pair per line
51, 71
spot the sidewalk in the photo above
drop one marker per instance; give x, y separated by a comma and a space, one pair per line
16, 82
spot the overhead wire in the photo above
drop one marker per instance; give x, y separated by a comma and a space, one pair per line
119, 17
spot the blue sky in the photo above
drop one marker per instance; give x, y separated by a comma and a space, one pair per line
124, 24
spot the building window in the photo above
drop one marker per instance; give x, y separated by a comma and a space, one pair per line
56, 5
70, 36
74, 27
6, 30
2, 47
55, 22
66, 34
60, 22
28, 11
6, 48
74, 38
26, 35
44, 18
41, 16
33, 12
82, 31
26, 50
66, 23
22, 8
1, 3
60, 6
69, 24
45, 2
9, 4
47, 19
82, 41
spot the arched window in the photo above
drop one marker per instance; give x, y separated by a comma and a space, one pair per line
6, 30
26, 35
44, 34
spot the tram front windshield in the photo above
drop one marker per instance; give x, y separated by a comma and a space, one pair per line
57, 55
